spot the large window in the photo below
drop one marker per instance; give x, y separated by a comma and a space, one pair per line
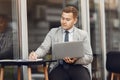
9, 43
112, 11
97, 39
112, 25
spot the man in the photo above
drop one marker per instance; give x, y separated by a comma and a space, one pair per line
70, 68
6, 39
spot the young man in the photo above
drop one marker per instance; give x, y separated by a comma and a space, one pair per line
71, 68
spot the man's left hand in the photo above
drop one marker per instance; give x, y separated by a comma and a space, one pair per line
69, 60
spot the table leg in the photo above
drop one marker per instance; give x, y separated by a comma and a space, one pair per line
19, 72
1, 73
29, 73
46, 72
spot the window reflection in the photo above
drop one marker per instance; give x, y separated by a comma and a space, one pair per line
95, 26
112, 10
9, 43
6, 38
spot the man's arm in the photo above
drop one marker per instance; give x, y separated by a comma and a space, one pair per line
33, 56
88, 56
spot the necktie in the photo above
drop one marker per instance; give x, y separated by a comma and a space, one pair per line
66, 39
66, 36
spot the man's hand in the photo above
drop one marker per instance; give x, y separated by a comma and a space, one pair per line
69, 60
33, 56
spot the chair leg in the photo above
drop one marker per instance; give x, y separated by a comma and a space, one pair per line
2, 73
118, 76
112, 76
46, 72
115, 74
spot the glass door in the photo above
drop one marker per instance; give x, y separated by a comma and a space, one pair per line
9, 35
97, 32
112, 11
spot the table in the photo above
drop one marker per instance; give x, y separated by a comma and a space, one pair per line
28, 63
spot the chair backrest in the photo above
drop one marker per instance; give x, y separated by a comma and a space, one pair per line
113, 61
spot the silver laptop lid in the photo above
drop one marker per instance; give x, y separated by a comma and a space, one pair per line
68, 49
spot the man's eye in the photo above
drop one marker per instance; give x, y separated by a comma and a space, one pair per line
68, 19
65, 19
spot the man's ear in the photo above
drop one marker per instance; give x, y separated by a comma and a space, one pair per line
75, 21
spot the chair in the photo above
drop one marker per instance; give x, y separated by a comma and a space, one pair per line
113, 64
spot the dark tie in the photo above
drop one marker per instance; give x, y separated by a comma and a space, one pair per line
66, 39
66, 36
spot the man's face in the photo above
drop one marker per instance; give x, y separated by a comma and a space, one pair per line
67, 20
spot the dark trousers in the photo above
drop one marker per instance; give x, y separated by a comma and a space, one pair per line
70, 72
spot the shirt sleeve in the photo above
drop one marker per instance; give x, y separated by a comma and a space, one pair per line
45, 46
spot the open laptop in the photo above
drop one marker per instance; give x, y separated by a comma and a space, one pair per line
68, 49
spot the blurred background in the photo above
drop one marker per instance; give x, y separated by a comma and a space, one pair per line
30, 20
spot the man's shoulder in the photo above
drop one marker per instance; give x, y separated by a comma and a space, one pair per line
80, 30
55, 29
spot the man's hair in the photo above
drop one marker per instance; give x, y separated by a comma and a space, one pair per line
71, 9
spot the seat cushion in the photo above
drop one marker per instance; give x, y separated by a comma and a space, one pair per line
113, 61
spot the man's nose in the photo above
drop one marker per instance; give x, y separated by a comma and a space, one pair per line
64, 21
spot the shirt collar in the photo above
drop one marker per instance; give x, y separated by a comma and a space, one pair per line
70, 30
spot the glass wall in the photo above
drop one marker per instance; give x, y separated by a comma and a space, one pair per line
9, 43
112, 12
95, 31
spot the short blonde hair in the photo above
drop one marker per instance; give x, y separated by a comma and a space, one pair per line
71, 9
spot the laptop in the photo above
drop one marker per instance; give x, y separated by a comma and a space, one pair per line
68, 49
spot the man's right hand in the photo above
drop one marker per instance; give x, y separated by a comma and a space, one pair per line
33, 56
